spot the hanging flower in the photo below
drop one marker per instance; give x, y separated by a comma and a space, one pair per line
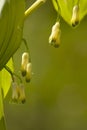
22, 96
15, 95
18, 92
29, 72
75, 16
54, 38
25, 60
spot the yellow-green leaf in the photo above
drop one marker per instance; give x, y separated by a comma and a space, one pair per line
5, 78
66, 7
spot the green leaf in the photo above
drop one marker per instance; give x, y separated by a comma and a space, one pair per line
5, 78
66, 7
11, 21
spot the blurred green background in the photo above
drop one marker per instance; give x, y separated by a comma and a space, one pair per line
57, 94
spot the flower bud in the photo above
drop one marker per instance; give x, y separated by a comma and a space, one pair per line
29, 72
22, 97
75, 16
54, 38
14, 91
25, 60
18, 93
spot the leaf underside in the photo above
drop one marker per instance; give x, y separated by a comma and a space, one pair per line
65, 7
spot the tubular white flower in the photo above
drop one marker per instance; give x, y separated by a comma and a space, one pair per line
25, 60
75, 16
29, 72
22, 96
54, 38
18, 93
14, 91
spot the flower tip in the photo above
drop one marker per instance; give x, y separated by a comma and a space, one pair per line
23, 101
13, 100
56, 45
74, 24
23, 72
28, 80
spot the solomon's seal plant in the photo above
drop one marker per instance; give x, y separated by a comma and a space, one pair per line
12, 17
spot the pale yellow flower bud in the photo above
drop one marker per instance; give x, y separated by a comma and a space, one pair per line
54, 38
25, 60
29, 72
18, 93
14, 91
75, 16
22, 97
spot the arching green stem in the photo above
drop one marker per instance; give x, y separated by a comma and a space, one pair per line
27, 48
12, 73
33, 7
25, 43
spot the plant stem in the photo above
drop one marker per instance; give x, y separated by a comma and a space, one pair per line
12, 73
33, 7
27, 48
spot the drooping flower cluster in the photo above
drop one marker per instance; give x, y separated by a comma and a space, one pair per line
26, 67
54, 38
18, 89
18, 92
